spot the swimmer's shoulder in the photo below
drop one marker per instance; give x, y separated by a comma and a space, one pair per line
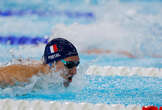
28, 61
21, 66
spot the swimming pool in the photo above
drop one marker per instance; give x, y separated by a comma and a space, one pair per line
104, 81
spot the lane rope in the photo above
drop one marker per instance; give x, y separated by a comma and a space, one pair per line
69, 14
22, 40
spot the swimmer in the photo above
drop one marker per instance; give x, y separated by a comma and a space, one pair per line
100, 51
60, 55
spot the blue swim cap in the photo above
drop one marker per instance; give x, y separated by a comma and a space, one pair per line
58, 49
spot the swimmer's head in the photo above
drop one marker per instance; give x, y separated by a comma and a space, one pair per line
58, 49
62, 54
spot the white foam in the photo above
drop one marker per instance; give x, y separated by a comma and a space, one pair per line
118, 26
124, 71
10, 104
12, 25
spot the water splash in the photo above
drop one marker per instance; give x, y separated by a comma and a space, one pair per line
118, 27
51, 83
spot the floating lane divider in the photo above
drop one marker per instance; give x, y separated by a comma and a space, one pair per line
69, 14
124, 71
10, 104
22, 40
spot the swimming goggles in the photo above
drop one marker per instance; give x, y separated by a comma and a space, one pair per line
70, 64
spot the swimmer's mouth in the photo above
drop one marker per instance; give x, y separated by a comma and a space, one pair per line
70, 78
68, 81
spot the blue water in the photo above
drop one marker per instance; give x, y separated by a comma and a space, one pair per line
147, 1
110, 90
118, 60
136, 27
128, 24
85, 59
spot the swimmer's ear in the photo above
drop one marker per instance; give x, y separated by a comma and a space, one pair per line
54, 64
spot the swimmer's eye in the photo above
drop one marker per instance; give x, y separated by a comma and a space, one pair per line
70, 64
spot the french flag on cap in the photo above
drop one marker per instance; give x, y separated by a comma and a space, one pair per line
53, 48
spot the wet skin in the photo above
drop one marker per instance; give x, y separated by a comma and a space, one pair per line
66, 73
23, 72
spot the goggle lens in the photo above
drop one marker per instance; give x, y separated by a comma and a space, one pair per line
70, 64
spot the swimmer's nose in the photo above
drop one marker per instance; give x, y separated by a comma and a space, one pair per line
73, 71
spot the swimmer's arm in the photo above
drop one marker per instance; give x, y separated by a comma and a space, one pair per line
21, 73
100, 51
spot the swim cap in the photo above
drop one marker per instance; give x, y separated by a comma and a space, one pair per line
58, 49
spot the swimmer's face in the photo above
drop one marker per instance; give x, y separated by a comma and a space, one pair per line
67, 73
